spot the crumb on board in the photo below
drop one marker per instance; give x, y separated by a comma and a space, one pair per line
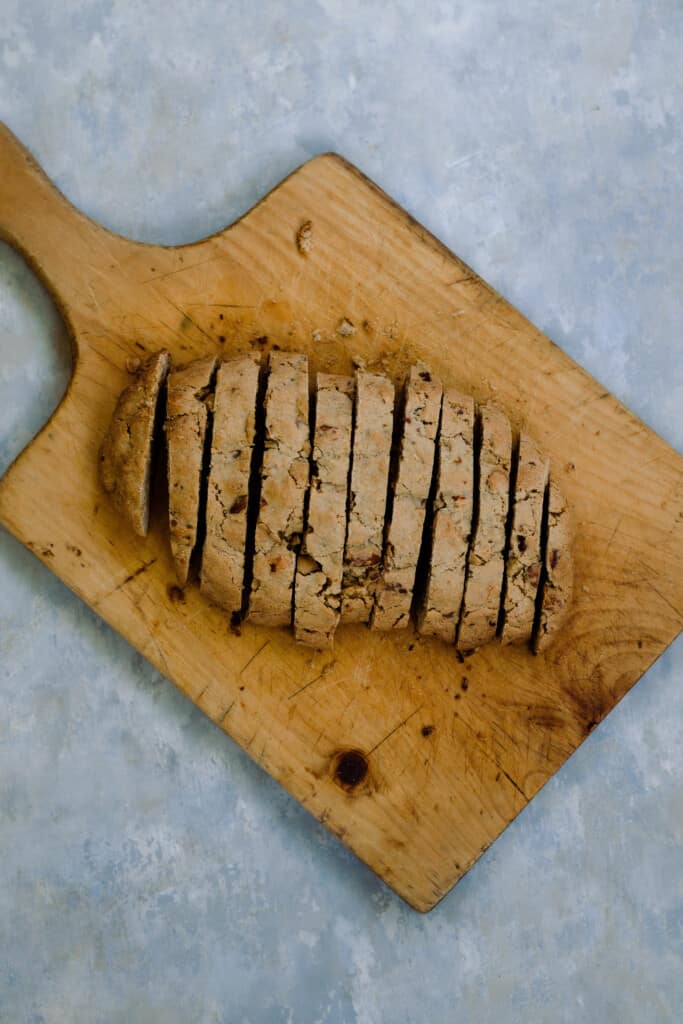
133, 364
345, 328
317, 334
304, 237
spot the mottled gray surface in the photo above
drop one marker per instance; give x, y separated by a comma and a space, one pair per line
149, 871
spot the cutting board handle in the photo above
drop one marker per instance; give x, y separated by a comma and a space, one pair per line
29, 202
38, 221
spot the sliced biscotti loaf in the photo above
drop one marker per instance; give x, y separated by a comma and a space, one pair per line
523, 566
126, 452
284, 481
227, 498
317, 598
187, 392
484, 584
558, 574
452, 518
420, 421
370, 460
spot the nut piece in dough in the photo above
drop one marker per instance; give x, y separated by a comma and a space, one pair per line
452, 522
126, 452
187, 417
373, 428
524, 561
410, 493
227, 498
284, 481
483, 588
317, 599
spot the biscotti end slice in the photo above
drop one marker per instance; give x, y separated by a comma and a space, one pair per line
370, 461
126, 452
187, 390
420, 421
524, 561
558, 573
484, 584
452, 518
284, 480
317, 600
227, 498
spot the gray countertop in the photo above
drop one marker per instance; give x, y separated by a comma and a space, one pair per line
150, 872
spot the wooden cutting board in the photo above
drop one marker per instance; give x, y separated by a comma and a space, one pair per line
416, 760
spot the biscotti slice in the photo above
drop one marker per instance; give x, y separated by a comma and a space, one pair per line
558, 575
452, 522
284, 480
187, 416
370, 460
523, 567
483, 588
319, 567
227, 498
410, 492
126, 452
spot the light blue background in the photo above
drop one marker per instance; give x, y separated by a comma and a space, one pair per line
149, 872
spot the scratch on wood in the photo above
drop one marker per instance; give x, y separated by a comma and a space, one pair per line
219, 305
323, 672
131, 576
194, 323
179, 270
513, 783
318, 739
138, 572
227, 711
591, 399
169, 327
657, 458
306, 685
161, 663
493, 760
614, 533
666, 601
395, 729
253, 658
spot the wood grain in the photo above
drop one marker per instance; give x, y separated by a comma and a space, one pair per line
453, 751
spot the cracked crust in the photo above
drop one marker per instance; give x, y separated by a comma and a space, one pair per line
227, 499
317, 601
284, 480
187, 417
126, 452
559, 573
452, 524
481, 605
411, 491
373, 428
523, 568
